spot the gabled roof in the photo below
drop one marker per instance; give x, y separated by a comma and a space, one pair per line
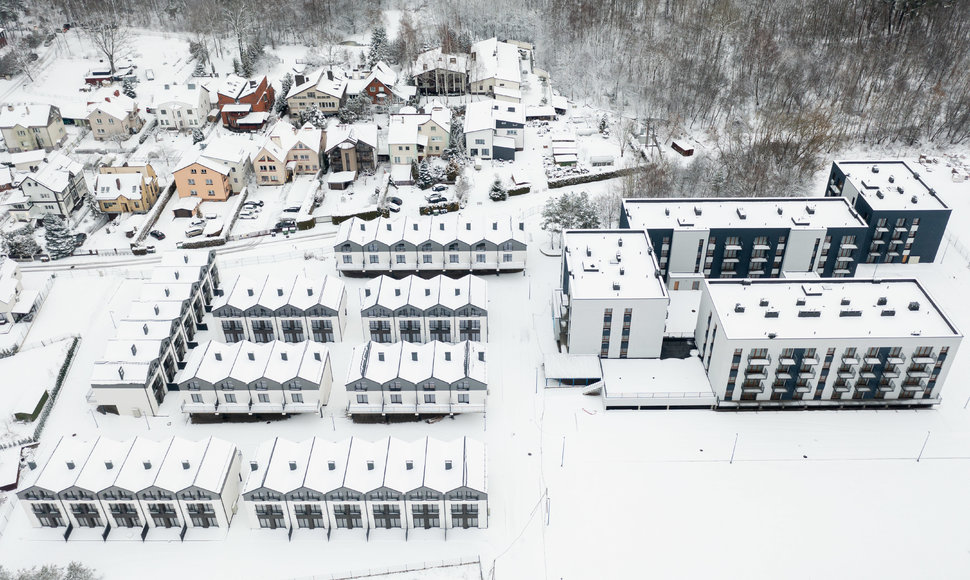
335, 87
118, 106
56, 173
235, 87
32, 115
109, 186
104, 464
435, 59
494, 59
190, 94
414, 363
364, 132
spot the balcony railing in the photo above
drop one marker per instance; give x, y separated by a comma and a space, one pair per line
300, 408
924, 360
850, 360
190, 407
786, 360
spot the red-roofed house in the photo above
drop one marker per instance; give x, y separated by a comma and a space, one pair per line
245, 105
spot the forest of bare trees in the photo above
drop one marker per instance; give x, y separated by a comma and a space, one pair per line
772, 86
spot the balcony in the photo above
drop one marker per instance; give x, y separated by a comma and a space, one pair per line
918, 374
762, 247
878, 242
841, 388
189, 407
759, 375
871, 360
786, 360
803, 388
810, 361
364, 409
919, 386
899, 229
759, 361
730, 261
867, 375
758, 259
732, 247
267, 408
783, 375
924, 360
846, 374
863, 389
882, 229
886, 388
896, 360
891, 373
845, 259
753, 388
298, 408
850, 360
806, 374
434, 409
233, 407
849, 247
779, 388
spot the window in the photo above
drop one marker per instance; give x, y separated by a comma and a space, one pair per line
296, 397
230, 398
263, 397
362, 399
322, 330
429, 399
463, 397
196, 398
292, 330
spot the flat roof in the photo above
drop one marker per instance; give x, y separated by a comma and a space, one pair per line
754, 213
827, 308
611, 264
655, 378
890, 185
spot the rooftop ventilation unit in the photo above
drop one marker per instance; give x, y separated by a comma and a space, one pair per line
147, 464
616, 286
810, 209
70, 465
771, 314
844, 302
738, 307
881, 301
619, 242
447, 465
772, 335
892, 179
331, 466
875, 169
914, 306
697, 210
370, 466
253, 466
880, 195
763, 302
185, 464
850, 313
293, 466
809, 313
666, 211
888, 313
913, 199
741, 214
409, 465
780, 210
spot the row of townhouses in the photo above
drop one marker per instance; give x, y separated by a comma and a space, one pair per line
291, 308
149, 486
421, 310
256, 378
357, 484
451, 243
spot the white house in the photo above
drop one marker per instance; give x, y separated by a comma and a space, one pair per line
256, 378
138, 483
823, 343
612, 302
420, 310
412, 136
452, 242
434, 378
56, 188
288, 308
10, 288
494, 68
182, 107
494, 129
357, 484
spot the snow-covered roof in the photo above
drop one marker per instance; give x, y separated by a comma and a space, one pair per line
444, 465
142, 465
32, 156
334, 85
603, 264
481, 115
494, 59
32, 115
403, 127
56, 173
143, 329
441, 229
424, 294
365, 465
104, 464
364, 132
191, 94
297, 290
890, 185
35, 370
284, 137
235, 87
842, 307
63, 465
204, 464
741, 213
118, 105
247, 362
435, 59
109, 186
412, 362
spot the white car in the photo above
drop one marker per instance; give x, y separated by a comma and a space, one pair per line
193, 231
248, 215
197, 222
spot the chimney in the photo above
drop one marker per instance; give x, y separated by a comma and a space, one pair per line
293, 466
147, 464
121, 372
32, 465
447, 465
299, 80
253, 466
10, 107
109, 464
185, 464
70, 465
329, 75
117, 94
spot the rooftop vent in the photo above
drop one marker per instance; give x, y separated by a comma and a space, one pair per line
481, 356
380, 356
844, 302
738, 307
363, 228
144, 328
800, 302
32, 465
780, 211
370, 466
447, 355
218, 356
666, 211
764, 302
441, 226
414, 356
495, 225
366, 292
249, 291
156, 310
167, 292
427, 291
880, 195
772, 335
899, 188
109, 464
309, 291
622, 271
888, 313
134, 350
697, 210
397, 291
616, 286
914, 306
810, 209
850, 313
147, 464
293, 466
457, 291
252, 356
279, 291
185, 464
913, 199
468, 225
447, 465
414, 227
331, 465
284, 356
388, 226
875, 169
409, 465
316, 356
771, 314
121, 372
521, 226
253, 466
881, 301
742, 214
70, 465
892, 179
589, 252
619, 242
809, 313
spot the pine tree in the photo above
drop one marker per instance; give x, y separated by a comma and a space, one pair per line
498, 192
197, 135
94, 208
128, 89
604, 125
236, 67
425, 179
314, 116
59, 240
379, 48
21, 244
569, 211
456, 140
286, 83
199, 69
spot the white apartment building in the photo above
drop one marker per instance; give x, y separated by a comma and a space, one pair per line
824, 343
453, 242
356, 484
57, 188
414, 309
434, 378
182, 107
291, 308
138, 483
612, 302
698, 238
256, 378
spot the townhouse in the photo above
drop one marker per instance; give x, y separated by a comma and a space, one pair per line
697, 238
412, 136
352, 148
494, 69
494, 129
823, 343
422, 310
905, 217
435, 378
356, 484
452, 242
126, 188
33, 126
325, 90
182, 107
216, 170
288, 151
112, 115
274, 378
135, 484
56, 188
245, 104
291, 308
606, 275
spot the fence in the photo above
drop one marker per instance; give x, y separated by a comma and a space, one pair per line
248, 235
272, 258
398, 569
6, 507
103, 252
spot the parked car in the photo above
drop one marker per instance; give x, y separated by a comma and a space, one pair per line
394, 208
150, 249
197, 222
193, 231
439, 187
157, 234
211, 216
436, 198
395, 200
257, 203
285, 225
292, 209
80, 237
248, 216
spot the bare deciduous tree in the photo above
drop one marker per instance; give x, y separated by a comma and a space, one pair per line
109, 36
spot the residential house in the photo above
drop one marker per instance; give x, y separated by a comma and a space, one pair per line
439, 73
905, 216
256, 378
352, 148
245, 105
494, 69
434, 378
612, 302
28, 127
325, 90
288, 151
112, 115
11, 287
182, 107
382, 86
412, 136
830, 343
448, 243
289, 308
494, 129
216, 170
56, 188
126, 188
138, 484
27, 161
356, 484
420, 310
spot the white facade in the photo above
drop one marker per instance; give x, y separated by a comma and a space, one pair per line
244, 377
452, 243
418, 310
824, 343
288, 308
10, 288
434, 378
182, 107
612, 302
138, 483
353, 484
56, 188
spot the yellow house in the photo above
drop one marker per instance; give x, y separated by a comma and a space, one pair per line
28, 127
113, 115
288, 151
327, 91
202, 177
128, 188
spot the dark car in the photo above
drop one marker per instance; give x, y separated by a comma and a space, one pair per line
258, 203
157, 235
79, 238
395, 200
439, 187
285, 225
436, 199
394, 208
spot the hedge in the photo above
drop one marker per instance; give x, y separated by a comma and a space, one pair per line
364, 215
450, 206
519, 190
210, 243
591, 177
61, 375
33, 415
